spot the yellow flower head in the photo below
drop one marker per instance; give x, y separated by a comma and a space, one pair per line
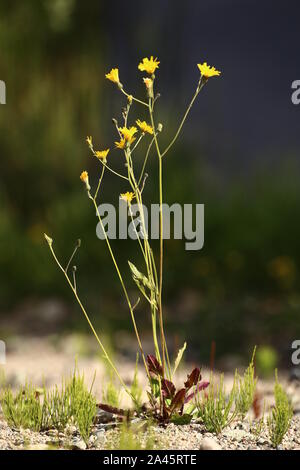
128, 134
102, 154
127, 197
207, 71
89, 140
113, 76
144, 126
85, 179
121, 144
149, 65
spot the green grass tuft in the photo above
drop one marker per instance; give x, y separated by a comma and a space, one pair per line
39, 409
111, 395
279, 420
215, 410
132, 437
245, 389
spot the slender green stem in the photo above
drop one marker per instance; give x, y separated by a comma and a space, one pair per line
146, 249
137, 235
200, 85
110, 169
115, 172
99, 182
122, 284
90, 323
73, 254
134, 99
161, 238
137, 143
145, 162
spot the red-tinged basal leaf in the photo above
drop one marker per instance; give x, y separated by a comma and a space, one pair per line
193, 378
112, 409
199, 387
168, 388
178, 400
153, 365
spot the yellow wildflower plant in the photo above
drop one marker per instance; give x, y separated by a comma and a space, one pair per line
207, 71
150, 279
127, 197
113, 76
128, 133
144, 127
102, 154
149, 65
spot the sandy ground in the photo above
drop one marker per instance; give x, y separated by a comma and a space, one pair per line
40, 360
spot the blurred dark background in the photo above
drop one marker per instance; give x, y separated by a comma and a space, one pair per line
238, 154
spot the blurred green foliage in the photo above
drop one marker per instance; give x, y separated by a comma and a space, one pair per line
241, 289
266, 361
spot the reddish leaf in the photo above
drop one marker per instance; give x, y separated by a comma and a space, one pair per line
199, 387
178, 400
256, 405
154, 366
113, 410
168, 388
193, 378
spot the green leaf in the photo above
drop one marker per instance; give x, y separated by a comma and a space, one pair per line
179, 357
143, 282
181, 420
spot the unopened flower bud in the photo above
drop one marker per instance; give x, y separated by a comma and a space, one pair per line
149, 86
48, 239
85, 179
159, 127
89, 140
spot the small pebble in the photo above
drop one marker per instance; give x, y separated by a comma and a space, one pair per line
78, 445
208, 443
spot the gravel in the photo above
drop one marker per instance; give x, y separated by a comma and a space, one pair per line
172, 437
37, 359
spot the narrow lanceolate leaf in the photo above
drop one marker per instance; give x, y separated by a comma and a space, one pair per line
199, 387
144, 283
141, 278
193, 378
179, 357
153, 365
168, 388
178, 400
